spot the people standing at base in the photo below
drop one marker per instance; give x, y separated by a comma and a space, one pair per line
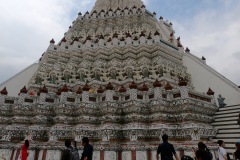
222, 154
24, 151
238, 120
87, 150
182, 155
186, 158
67, 152
236, 154
166, 150
75, 154
203, 153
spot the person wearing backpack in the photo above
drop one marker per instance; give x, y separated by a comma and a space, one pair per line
203, 153
75, 154
210, 155
236, 154
67, 152
87, 150
182, 155
166, 150
222, 154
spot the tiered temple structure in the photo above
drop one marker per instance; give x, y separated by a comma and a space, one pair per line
117, 76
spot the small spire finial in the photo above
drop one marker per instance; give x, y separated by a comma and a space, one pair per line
52, 41
4, 91
187, 50
210, 92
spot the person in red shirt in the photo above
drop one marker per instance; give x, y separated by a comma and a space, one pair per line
25, 150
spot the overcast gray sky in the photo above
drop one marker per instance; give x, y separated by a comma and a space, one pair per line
210, 28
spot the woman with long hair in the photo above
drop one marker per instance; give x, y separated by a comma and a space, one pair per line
237, 152
24, 152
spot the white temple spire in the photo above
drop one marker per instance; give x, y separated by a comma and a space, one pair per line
114, 4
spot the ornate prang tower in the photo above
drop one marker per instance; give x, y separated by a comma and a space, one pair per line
117, 76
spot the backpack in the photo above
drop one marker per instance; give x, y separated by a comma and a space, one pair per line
75, 154
70, 155
228, 156
186, 158
210, 155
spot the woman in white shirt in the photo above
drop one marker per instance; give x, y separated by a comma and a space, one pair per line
222, 154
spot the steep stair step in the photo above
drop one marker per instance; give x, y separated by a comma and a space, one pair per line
230, 150
236, 135
233, 140
229, 131
229, 108
227, 126
226, 119
229, 146
224, 123
228, 111
226, 115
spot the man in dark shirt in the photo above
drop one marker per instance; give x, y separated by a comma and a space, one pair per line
166, 150
87, 150
66, 155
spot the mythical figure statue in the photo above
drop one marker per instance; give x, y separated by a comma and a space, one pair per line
39, 80
67, 78
129, 72
145, 72
53, 79
221, 101
113, 74
82, 76
96, 75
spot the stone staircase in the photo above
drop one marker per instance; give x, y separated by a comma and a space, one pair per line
228, 129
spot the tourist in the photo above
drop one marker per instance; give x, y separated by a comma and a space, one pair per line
183, 156
75, 154
87, 150
203, 153
24, 152
166, 150
222, 154
187, 158
238, 120
236, 154
67, 152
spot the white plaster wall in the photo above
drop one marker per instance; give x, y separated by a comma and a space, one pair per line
204, 77
5, 154
53, 155
154, 155
31, 155
110, 155
141, 155
96, 155
17, 82
126, 155
40, 155
14, 154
